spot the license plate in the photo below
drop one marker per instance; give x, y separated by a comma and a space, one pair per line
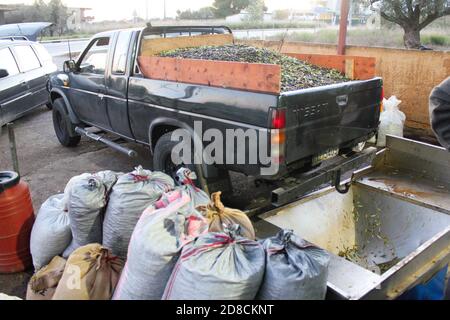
325, 156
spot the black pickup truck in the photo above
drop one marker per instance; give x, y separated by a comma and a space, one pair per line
106, 89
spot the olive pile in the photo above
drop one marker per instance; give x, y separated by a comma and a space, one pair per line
295, 74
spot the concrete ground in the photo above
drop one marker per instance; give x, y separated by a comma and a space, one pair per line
47, 166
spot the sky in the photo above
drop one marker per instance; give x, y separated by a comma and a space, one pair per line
123, 9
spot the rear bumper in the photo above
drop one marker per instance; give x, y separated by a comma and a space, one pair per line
304, 164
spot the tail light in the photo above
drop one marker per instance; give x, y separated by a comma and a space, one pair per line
278, 135
278, 118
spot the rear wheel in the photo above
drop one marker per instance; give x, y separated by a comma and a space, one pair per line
64, 129
162, 161
162, 157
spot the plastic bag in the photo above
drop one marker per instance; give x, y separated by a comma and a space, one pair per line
219, 216
91, 273
155, 245
86, 198
42, 284
51, 232
392, 121
199, 198
218, 266
130, 196
295, 269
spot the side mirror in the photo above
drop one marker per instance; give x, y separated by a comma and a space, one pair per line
3, 73
69, 66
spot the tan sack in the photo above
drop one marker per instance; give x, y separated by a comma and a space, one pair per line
91, 273
42, 284
219, 217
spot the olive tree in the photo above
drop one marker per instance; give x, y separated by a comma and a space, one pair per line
256, 10
225, 8
412, 15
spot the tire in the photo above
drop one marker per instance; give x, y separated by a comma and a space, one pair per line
162, 156
64, 129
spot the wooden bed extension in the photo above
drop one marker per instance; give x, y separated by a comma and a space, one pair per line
257, 77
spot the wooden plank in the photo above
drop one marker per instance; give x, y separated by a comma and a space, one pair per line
256, 77
350, 68
363, 67
322, 60
151, 47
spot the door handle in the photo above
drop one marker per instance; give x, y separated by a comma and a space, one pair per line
101, 96
342, 101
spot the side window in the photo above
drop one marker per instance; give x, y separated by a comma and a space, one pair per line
120, 54
8, 62
94, 60
27, 58
43, 54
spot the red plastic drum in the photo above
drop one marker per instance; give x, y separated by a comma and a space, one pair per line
16, 221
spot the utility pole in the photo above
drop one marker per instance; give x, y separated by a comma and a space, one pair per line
165, 16
146, 10
345, 8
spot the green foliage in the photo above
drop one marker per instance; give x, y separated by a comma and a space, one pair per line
58, 15
273, 25
437, 40
225, 8
412, 15
201, 14
388, 38
41, 11
256, 10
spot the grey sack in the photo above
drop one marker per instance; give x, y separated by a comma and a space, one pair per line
86, 198
217, 266
130, 196
295, 269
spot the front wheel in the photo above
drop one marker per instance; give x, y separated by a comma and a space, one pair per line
64, 129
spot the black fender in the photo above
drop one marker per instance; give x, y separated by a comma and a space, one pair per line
59, 92
208, 170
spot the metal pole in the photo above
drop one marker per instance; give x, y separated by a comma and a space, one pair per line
345, 8
12, 147
165, 10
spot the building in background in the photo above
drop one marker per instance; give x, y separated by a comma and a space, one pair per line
78, 19
5, 8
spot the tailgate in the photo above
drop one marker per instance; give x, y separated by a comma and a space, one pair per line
329, 117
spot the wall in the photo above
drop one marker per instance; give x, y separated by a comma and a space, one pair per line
408, 74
